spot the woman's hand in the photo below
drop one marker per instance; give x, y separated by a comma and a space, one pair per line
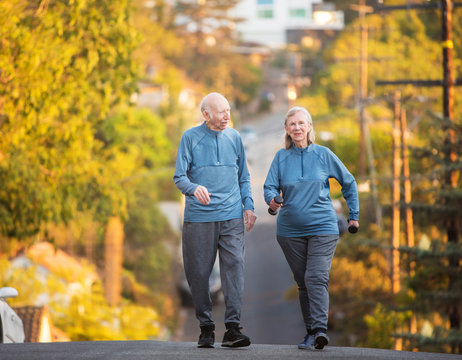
354, 223
274, 205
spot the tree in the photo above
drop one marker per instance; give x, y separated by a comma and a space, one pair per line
436, 281
138, 154
63, 67
208, 53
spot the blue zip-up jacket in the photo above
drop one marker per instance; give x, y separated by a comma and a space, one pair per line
216, 160
302, 175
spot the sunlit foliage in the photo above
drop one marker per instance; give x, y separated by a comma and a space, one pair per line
77, 305
63, 66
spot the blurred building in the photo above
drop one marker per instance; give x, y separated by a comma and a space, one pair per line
38, 326
276, 23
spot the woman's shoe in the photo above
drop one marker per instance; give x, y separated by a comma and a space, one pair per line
307, 343
320, 340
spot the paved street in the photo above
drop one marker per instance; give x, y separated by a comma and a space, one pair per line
148, 350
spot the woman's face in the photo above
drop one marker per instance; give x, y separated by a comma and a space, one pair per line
297, 127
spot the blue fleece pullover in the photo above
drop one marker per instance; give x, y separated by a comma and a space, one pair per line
302, 175
216, 160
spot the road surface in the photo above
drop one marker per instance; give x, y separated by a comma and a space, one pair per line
149, 350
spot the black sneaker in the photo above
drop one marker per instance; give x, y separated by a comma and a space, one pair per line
320, 340
206, 338
234, 338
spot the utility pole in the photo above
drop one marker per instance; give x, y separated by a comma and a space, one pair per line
113, 257
396, 213
362, 89
409, 221
365, 145
362, 9
410, 242
395, 266
452, 226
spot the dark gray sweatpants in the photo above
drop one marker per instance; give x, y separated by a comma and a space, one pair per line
310, 259
201, 241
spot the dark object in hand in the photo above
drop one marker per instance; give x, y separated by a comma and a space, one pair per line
278, 200
353, 229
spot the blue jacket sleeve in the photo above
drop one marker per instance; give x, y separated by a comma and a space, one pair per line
244, 179
349, 188
271, 187
183, 162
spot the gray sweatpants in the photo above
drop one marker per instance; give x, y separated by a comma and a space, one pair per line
310, 259
201, 241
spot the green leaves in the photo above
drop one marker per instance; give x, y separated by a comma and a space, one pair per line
62, 69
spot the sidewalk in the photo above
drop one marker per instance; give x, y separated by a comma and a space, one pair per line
166, 350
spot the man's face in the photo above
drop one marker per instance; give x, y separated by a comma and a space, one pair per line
218, 113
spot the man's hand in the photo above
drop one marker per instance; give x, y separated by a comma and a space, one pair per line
249, 219
202, 195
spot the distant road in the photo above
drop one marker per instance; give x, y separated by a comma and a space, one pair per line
149, 350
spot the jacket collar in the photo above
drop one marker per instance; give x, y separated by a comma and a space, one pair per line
302, 150
210, 131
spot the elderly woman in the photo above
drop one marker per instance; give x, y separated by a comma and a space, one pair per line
307, 228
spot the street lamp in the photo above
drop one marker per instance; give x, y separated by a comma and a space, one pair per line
291, 94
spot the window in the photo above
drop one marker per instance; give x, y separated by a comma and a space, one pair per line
265, 13
265, 9
297, 13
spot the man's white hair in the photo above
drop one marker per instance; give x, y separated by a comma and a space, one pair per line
205, 101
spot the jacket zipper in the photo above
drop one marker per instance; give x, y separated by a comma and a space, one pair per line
218, 149
301, 159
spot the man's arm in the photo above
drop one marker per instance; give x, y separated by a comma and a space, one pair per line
183, 161
181, 179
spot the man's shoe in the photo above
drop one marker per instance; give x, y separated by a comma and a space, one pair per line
307, 343
320, 340
206, 338
234, 338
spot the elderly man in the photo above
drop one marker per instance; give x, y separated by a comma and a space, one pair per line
211, 171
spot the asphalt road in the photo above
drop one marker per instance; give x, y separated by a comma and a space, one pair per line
148, 350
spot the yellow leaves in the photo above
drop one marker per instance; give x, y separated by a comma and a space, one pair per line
146, 325
355, 279
382, 323
93, 59
76, 307
17, 137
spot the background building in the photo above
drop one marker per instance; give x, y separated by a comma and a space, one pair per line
276, 23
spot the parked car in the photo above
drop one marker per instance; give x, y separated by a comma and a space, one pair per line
248, 135
11, 326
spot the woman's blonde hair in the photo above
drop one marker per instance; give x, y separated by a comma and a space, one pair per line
287, 139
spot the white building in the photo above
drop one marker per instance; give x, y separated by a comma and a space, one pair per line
277, 22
